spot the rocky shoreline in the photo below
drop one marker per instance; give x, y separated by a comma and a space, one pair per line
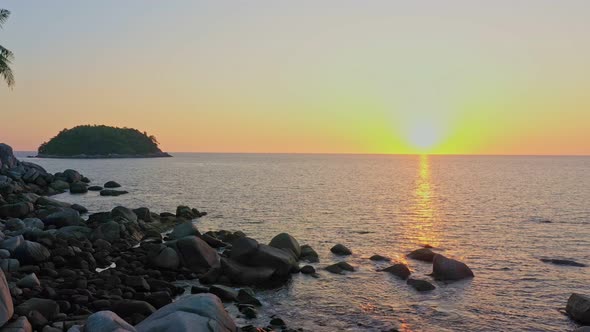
114, 270
106, 156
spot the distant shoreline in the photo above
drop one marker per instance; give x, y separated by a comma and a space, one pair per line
105, 156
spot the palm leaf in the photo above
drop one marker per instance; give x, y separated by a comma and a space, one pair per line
4, 13
5, 70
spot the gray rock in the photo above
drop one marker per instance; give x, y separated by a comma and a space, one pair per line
72, 175
422, 254
267, 256
286, 242
420, 285
12, 243
46, 201
33, 223
166, 259
246, 275
111, 184
186, 212
20, 325
78, 188
566, 262
121, 212
31, 253
14, 224
226, 294
128, 308
399, 270
95, 188
340, 249
65, 217
308, 254
444, 268
339, 268
59, 185
9, 265
196, 255
307, 269
112, 192
243, 248
246, 296
4, 253
48, 308
6, 308
379, 258
185, 229
104, 321
138, 283
201, 312
29, 281
109, 231
578, 308
16, 210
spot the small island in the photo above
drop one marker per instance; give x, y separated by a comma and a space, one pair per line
99, 141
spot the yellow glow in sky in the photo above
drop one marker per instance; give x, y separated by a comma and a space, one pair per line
440, 77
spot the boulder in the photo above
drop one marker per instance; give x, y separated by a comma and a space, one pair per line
379, 258
128, 308
286, 242
29, 281
33, 223
112, 192
166, 259
243, 248
267, 256
420, 285
308, 254
196, 255
399, 270
121, 212
65, 217
103, 321
578, 308
422, 254
444, 268
9, 265
72, 176
48, 308
21, 324
108, 231
14, 224
185, 229
6, 308
246, 275
7, 158
111, 184
78, 188
340, 249
59, 185
339, 268
143, 213
16, 210
46, 201
226, 294
200, 312
186, 212
31, 253
307, 269
12, 243
246, 296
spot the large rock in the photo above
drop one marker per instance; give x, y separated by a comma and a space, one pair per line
78, 188
246, 275
59, 185
7, 159
31, 253
16, 210
46, 201
578, 308
201, 312
6, 308
340, 249
111, 184
112, 192
108, 231
248, 252
308, 254
243, 248
286, 242
399, 270
196, 255
185, 229
65, 217
72, 175
166, 259
48, 308
444, 268
121, 212
104, 321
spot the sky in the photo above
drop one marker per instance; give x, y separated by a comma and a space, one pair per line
442, 77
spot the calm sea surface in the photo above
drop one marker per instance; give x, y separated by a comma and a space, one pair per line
490, 212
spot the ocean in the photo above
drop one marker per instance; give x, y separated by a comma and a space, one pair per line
498, 214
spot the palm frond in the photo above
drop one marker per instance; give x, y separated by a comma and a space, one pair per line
5, 70
6, 53
4, 13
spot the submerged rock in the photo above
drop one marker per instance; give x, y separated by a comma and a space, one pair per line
578, 308
112, 192
201, 312
379, 258
399, 270
566, 262
422, 254
444, 268
111, 184
339, 268
420, 285
340, 249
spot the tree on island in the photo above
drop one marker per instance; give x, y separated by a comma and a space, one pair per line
100, 140
6, 56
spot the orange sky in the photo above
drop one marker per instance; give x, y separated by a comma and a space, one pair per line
332, 77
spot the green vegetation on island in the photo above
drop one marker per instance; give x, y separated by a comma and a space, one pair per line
92, 141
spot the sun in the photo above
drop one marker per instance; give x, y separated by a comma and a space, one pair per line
424, 135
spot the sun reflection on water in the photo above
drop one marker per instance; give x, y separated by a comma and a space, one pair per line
422, 228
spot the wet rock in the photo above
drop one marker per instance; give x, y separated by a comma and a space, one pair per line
340, 249
308, 254
21, 324
201, 312
6, 307
112, 192
286, 242
185, 229
277, 322
339, 268
226, 294
78, 188
422, 254
29, 281
279, 260
566, 262
420, 285
578, 308
95, 188
48, 308
4, 254
444, 268
111, 184
399, 270
103, 321
307, 269
246, 296
196, 255
379, 258
167, 259
31, 253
